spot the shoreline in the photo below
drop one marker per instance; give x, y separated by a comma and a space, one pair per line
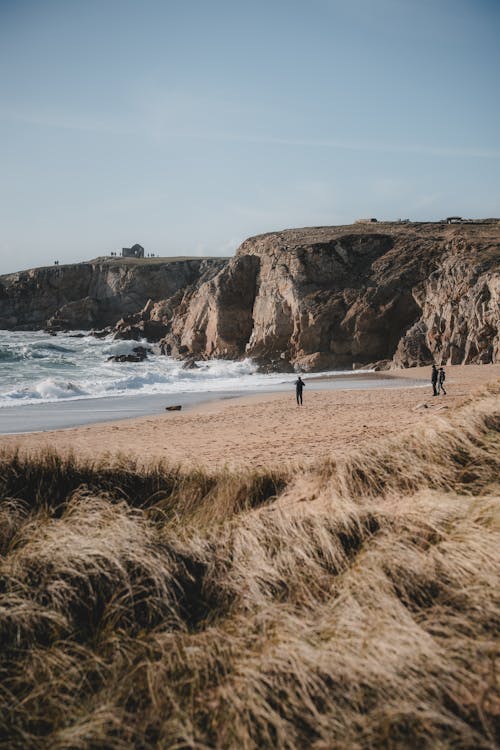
256, 431
19, 419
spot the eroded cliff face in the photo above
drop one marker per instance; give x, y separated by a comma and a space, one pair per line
459, 304
93, 294
216, 318
332, 297
317, 298
317, 304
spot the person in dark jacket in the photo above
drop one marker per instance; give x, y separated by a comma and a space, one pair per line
441, 379
299, 387
434, 380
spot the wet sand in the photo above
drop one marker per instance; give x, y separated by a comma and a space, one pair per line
268, 429
73, 413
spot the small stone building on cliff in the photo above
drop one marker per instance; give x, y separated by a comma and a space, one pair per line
136, 251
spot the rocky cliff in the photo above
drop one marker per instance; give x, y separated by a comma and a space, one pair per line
325, 297
94, 294
331, 297
459, 306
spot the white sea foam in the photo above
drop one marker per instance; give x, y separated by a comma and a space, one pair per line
52, 389
36, 368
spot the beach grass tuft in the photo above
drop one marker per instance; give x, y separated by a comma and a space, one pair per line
354, 604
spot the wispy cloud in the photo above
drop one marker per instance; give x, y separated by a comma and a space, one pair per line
473, 152
68, 121
137, 126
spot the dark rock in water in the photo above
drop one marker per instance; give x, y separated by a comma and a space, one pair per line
177, 407
142, 351
190, 364
127, 333
165, 348
125, 358
139, 354
274, 365
100, 333
77, 335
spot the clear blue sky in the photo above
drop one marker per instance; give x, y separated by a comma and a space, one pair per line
188, 125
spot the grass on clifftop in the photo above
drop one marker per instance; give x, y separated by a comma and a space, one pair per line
354, 605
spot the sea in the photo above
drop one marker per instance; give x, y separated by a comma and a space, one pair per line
36, 367
50, 382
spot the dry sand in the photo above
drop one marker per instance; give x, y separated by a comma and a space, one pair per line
268, 429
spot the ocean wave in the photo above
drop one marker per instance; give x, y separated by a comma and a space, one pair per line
35, 370
50, 389
115, 348
13, 353
7, 354
50, 347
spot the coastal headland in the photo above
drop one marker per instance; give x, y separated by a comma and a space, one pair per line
317, 298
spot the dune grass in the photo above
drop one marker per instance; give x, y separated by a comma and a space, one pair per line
352, 605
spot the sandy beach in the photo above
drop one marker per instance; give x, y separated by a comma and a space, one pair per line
268, 429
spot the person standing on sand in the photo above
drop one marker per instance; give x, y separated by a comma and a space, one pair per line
434, 380
299, 387
441, 379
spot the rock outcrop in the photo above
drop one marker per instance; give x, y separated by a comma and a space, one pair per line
94, 294
335, 297
317, 298
138, 354
459, 321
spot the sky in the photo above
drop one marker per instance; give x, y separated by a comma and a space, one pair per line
190, 125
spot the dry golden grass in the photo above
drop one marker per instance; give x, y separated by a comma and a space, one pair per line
353, 605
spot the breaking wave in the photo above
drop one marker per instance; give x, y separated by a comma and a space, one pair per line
36, 369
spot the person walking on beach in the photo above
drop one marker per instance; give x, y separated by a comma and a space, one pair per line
299, 387
434, 380
441, 379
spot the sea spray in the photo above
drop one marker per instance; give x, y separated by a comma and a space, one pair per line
37, 368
